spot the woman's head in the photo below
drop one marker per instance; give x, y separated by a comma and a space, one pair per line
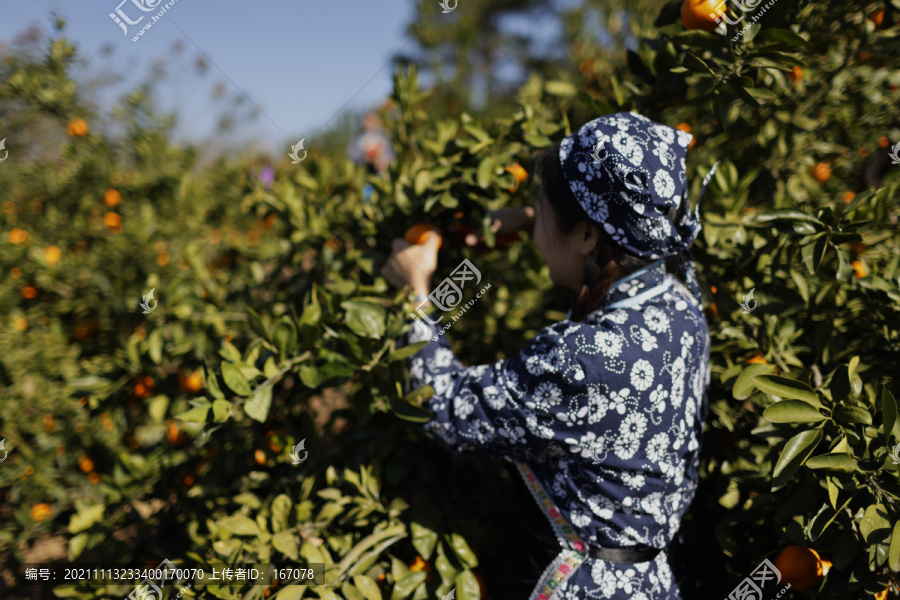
579, 253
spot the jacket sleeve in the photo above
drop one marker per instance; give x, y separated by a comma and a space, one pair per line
508, 408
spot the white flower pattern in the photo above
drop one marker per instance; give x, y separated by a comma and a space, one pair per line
630, 382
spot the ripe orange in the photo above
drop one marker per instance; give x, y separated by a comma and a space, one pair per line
419, 565
860, 268
175, 434
162, 259
863, 152
77, 128
113, 221
802, 567
52, 254
143, 386
685, 127
865, 55
418, 233
21, 323
822, 172
796, 74
849, 196
711, 311
272, 445
29, 470
519, 172
18, 236
883, 594
877, 17
85, 464
29, 292
49, 422
41, 511
192, 383
16, 272
94, 478
112, 198
188, 480
758, 359
884, 142
699, 14
714, 289
260, 457
333, 244
107, 422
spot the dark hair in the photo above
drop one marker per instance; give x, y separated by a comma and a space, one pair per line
609, 261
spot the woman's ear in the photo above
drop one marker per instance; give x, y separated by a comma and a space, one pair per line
590, 237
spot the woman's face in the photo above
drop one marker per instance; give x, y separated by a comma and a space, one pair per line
564, 253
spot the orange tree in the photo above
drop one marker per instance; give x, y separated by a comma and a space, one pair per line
279, 302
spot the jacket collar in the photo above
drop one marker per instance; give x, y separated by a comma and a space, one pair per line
635, 283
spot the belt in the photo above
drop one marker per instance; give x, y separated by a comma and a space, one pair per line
624, 555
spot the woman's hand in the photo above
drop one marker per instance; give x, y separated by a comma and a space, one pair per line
506, 221
412, 265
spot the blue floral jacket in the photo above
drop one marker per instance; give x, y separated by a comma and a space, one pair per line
606, 414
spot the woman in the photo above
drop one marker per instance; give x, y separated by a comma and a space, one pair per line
602, 412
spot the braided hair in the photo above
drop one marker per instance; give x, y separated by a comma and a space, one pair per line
609, 261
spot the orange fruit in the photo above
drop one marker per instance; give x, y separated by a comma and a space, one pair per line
802, 567
859, 248
270, 220
883, 594
758, 359
175, 434
21, 323
860, 268
107, 422
711, 311
193, 383
85, 464
272, 445
333, 244
52, 254
143, 386
865, 55
41, 511
29, 470
419, 565
162, 259
863, 152
252, 239
519, 172
877, 17
796, 74
77, 128
884, 142
112, 198
16, 272
113, 221
418, 233
714, 289
849, 196
49, 423
260, 457
29, 292
189, 480
18, 236
94, 478
822, 172
685, 127
699, 14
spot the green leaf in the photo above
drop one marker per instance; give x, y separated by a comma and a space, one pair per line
406, 351
365, 319
836, 461
796, 451
235, 380
211, 382
761, 94
462, 550
894, 552
560, 88
411, 412
485, 172
286, 543
407, 585
309, 376
257, 406
814, 252
789, 389
424, 539
422, 182
77, 545
290, 592
85, 519
875, 526
889, 413
846, 415
197, 414
312, 313
745, 385
256, 324
701, 39
792, 411
221, 410
832, 492
285, 336
787, 214
419, 396
367, 586
281, 511
241, 525
467, 587
782, 37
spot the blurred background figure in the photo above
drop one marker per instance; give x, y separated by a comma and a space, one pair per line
372, 148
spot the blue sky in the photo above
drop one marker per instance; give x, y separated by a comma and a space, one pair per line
299, 61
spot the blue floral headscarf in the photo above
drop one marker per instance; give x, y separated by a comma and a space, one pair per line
627, 171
